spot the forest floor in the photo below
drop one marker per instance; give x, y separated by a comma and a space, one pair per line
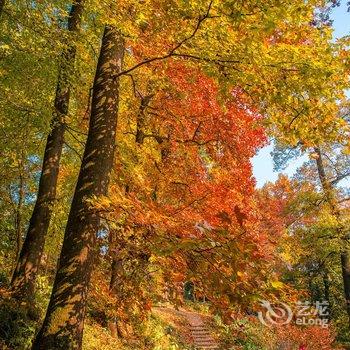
193, 326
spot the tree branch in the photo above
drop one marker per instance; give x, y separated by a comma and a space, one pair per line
171, 53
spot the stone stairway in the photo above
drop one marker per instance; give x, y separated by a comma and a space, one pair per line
202, 339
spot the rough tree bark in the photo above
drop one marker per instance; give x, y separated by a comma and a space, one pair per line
64, 321
24, 276
345, 254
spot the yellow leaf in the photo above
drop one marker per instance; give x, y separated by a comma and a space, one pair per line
277, 284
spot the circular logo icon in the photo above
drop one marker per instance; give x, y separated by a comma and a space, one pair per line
275, 314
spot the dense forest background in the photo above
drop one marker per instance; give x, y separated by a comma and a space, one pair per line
126, 186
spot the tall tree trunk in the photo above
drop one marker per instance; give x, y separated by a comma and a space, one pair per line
23, 279
345, 254
64, 321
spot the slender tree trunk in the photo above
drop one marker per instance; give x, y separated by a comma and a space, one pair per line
140, 120
116, 262
116, 269
327, 296
326, 285
345, 263
23, 279
116, 266
19, 215
345, 254
64, 321
2, 4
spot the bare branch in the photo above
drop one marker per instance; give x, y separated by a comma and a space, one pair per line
171, 53
74, 150
339, 178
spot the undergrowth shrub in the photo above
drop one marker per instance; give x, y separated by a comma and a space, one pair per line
152, 334
17, 325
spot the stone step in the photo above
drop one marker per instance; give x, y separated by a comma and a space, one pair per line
204, 341
201, 328
200, 333
203, 345
202, 336
210, 342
